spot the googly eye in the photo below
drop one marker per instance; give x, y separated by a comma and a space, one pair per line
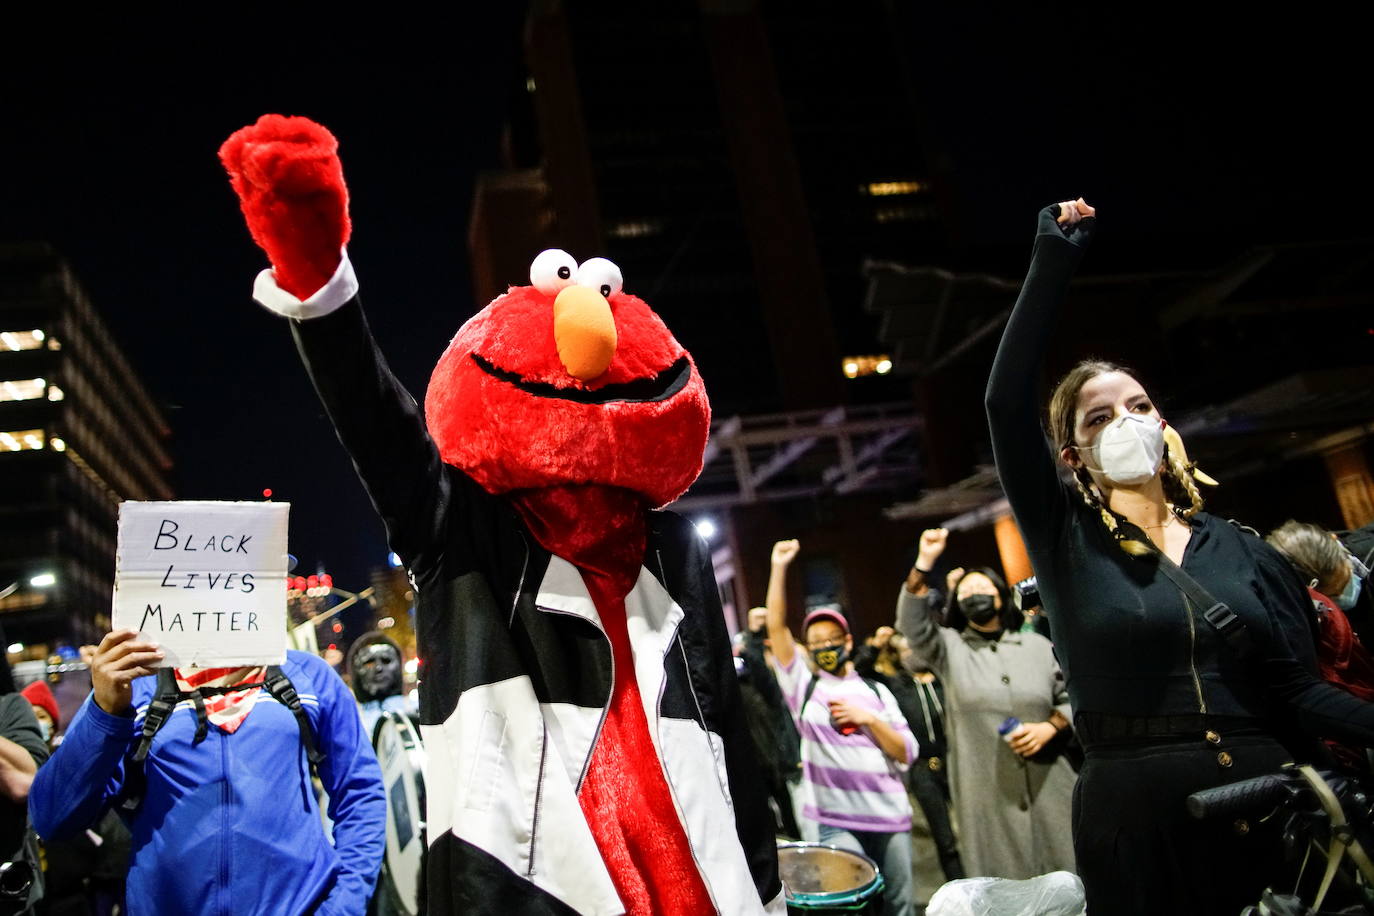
601, 275
552, 271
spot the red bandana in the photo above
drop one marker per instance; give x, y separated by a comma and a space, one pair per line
224, 710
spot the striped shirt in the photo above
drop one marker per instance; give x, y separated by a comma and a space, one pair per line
853, 784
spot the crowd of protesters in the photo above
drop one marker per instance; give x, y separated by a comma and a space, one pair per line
1025, 755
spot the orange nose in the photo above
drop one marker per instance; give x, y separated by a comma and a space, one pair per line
583, 331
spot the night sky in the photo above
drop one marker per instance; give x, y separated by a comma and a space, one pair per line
1199, 139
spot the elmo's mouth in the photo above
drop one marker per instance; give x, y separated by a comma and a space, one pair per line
659, 388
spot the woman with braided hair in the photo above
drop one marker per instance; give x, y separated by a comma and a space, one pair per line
1169, 697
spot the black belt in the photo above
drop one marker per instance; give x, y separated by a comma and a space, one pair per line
1096, 728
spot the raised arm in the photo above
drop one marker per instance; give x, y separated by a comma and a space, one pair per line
924, 645
784, 646
1025, 464
289, 180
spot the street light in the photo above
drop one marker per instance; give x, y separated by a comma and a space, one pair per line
43, 580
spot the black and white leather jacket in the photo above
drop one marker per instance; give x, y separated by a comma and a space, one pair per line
517, 669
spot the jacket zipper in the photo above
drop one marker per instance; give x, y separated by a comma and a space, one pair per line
524, 567
538, 797
606, 706
705, 734
925, 709
224, 827
1192, 656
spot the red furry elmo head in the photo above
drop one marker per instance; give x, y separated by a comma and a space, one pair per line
570, 381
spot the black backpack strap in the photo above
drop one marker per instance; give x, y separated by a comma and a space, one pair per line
284, 692
810, 689
873, 686
164, 701
202, 720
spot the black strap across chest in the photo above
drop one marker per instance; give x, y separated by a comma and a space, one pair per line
1217, 613
169, 695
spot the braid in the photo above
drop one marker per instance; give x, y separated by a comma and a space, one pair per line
1109, 518
1179, 479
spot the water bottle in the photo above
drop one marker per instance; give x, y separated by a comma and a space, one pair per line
1008, 727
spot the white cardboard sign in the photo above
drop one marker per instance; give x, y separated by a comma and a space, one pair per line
204, 580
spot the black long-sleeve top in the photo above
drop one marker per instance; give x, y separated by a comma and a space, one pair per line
1126, 639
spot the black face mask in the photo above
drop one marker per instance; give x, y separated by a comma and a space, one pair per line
830, 659
979, 609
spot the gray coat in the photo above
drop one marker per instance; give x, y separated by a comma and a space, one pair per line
1013, 814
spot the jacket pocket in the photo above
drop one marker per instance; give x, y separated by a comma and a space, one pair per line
485, 776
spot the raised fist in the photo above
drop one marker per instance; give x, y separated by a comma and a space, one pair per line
1071, 211
784, 552
931, 547
287, 175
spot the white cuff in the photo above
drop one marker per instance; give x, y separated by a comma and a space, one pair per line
340, 288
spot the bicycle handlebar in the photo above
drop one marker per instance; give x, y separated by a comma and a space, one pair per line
1246, 796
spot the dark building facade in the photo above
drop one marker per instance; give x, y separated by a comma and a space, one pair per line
79, 433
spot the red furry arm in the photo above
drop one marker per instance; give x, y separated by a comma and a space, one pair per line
290, 183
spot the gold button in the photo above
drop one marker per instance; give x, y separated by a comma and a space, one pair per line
1224, 759
934, 764
1212, 737
1242, 827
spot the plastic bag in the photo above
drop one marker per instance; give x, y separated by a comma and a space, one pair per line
1060, 893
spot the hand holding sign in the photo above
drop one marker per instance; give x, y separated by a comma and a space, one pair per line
120, 657
204, 580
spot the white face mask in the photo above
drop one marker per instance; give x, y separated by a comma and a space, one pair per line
1129, 450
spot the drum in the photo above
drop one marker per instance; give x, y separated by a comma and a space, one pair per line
402, 758
821, 880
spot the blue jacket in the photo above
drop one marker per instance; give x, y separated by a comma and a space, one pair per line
230, 825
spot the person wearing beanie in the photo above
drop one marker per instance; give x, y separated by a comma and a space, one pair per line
39, 695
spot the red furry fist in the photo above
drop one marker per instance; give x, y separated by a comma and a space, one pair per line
290, 183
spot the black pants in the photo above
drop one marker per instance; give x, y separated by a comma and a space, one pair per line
931, 788
1139, 851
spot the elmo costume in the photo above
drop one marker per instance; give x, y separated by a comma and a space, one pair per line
586, 747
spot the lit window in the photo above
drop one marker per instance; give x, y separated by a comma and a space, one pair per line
21, 440
907, 214
22, 389
635, 229
891, 188
856, 366
21, 340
